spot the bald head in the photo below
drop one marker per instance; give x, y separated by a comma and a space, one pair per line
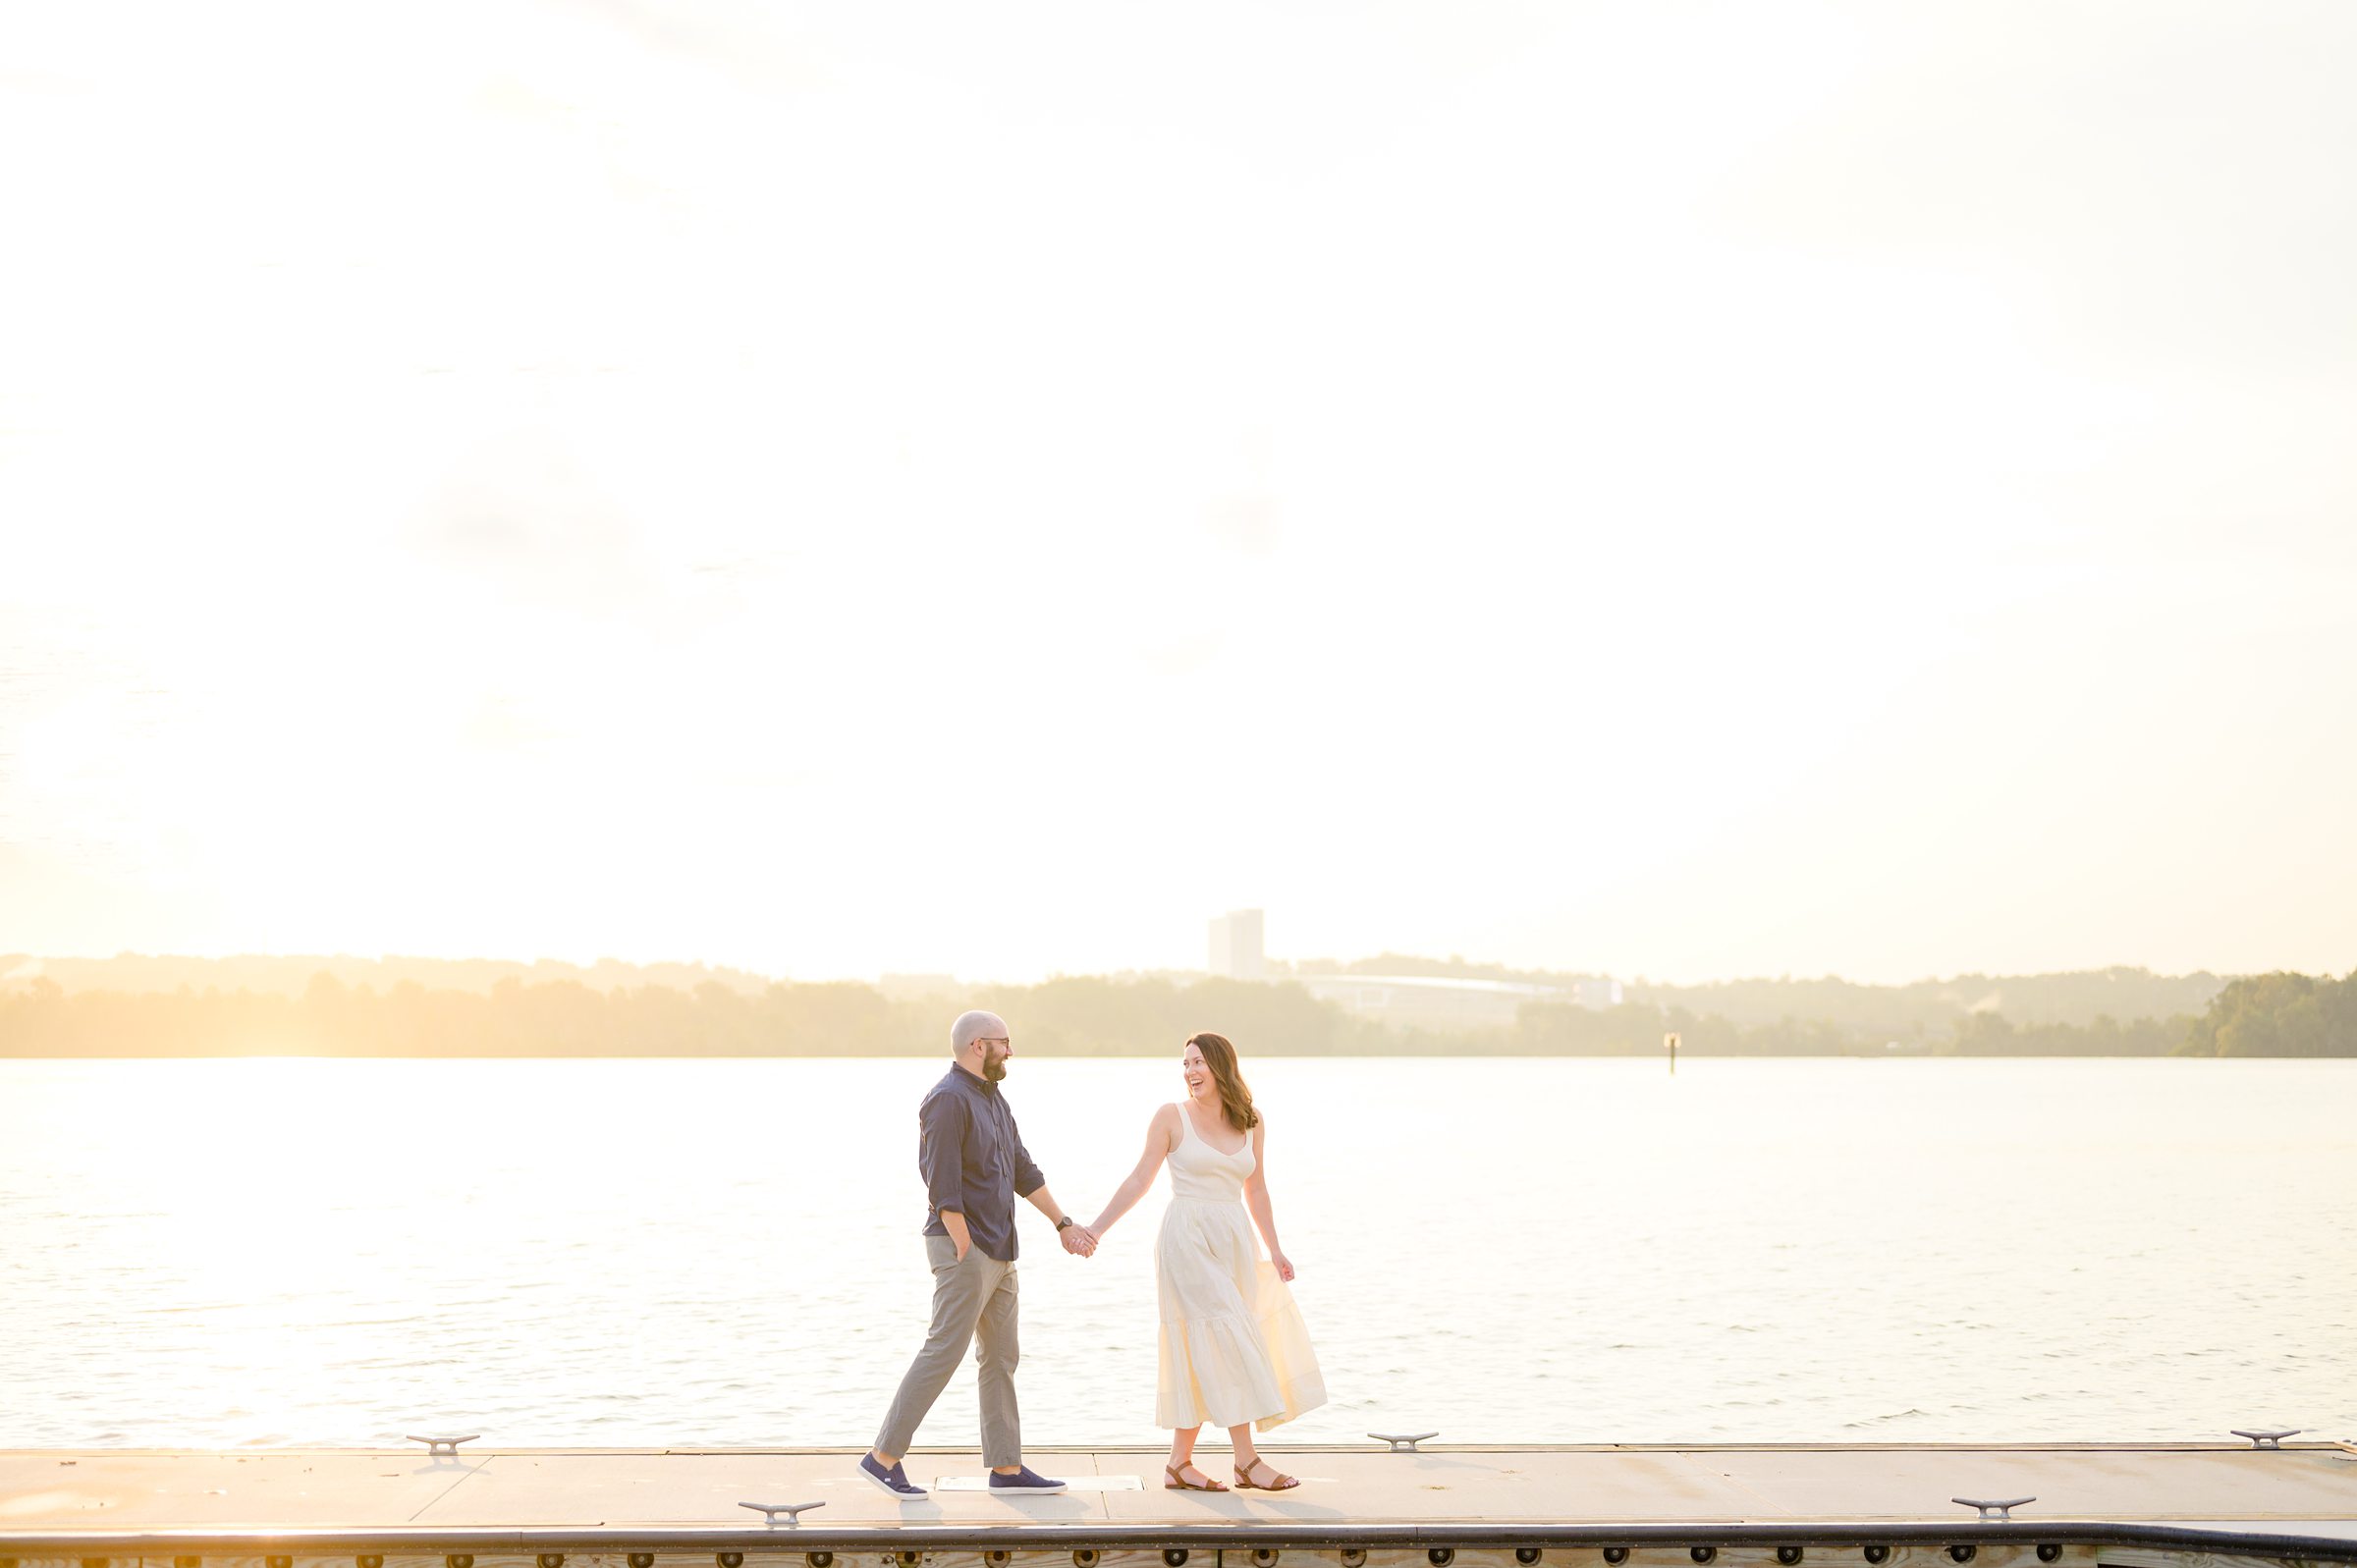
979, 1042
973, 1026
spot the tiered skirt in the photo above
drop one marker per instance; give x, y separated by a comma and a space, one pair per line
1233, 1348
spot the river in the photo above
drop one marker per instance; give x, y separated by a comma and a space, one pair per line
725, 1252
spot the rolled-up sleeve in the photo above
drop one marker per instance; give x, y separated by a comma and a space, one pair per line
1027, 1179
941, 1123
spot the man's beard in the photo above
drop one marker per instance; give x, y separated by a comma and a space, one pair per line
994, 1068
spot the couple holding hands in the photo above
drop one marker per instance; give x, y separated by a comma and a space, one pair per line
1233, 1349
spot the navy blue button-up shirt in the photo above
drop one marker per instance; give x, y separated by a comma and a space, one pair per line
973, 1160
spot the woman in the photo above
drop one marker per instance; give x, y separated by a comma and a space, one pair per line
1233, 1348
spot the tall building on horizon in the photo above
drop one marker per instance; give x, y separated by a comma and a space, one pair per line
1237, 952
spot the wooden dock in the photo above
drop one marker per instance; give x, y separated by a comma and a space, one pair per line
1884, 1506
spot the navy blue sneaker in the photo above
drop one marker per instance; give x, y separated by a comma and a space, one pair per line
1025, 1480
892, 1478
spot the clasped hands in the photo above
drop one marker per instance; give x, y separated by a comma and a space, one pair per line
1079, 1240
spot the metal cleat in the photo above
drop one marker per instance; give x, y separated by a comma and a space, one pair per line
2269, 1439
442, 1447
769, 1511
1999, 1508
1402, 1442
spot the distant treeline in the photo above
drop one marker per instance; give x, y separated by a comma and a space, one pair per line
1896, 1012
2278, 1015
566, 1019
2266, 1016
291, 974
1636, 1028
1924, 1009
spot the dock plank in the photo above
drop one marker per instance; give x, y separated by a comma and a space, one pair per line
280, 1488
2068, 1484
509, 1502
614, 1490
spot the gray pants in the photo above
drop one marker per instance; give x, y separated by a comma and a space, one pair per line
973, 1303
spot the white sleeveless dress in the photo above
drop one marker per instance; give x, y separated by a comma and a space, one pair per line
1233, 1348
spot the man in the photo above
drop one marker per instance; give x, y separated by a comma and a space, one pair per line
975, 1166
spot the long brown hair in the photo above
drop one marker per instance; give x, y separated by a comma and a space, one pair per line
1235, 1100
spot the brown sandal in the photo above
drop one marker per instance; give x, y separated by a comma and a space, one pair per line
1180, 1482
1282, 1482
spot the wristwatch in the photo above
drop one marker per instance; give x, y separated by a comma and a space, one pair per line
1067, 1219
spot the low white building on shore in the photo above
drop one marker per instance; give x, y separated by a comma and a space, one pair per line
1447, 1002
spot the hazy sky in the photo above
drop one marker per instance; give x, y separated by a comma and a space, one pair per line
1690, 490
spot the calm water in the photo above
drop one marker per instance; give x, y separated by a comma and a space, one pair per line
725, 1252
